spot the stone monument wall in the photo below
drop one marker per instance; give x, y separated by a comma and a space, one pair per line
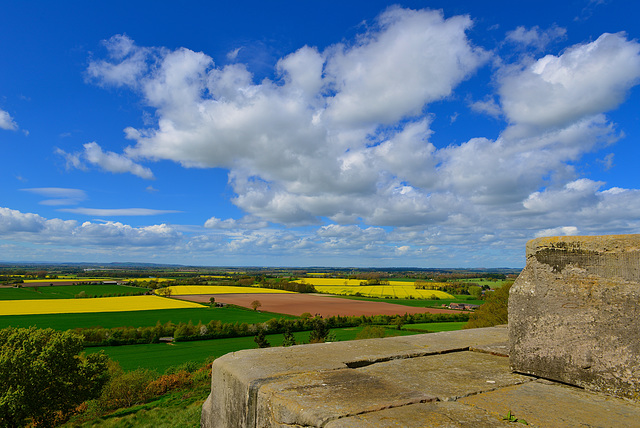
574, 313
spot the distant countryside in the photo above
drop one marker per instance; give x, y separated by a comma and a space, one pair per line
157, 330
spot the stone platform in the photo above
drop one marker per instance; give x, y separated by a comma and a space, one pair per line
451, 379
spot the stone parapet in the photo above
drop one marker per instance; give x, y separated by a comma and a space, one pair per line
574, 313
452, 379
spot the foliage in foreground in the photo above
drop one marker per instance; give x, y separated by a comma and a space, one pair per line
494, 311
44, 376
143, 397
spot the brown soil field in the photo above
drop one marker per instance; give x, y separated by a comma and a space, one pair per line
326, 306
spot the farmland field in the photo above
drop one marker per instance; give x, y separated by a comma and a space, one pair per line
381, 291
104, 304
326, 306
65, 291
161, 356
184, 290
395, 289
436, 326
138, 318
420, 303
65, 279
483, 281
356, 282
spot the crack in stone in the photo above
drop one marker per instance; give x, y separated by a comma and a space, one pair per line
378, 409
364, 363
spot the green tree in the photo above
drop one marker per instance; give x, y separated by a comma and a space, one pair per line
261, 340
45, 376
320, 332
164, 292
288, 338
494, 311
256, 304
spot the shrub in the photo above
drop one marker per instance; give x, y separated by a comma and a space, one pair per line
168, 382
125, 389
187, 366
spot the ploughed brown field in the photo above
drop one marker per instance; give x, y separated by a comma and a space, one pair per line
326, 306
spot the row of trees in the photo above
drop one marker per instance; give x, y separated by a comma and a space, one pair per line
214, 329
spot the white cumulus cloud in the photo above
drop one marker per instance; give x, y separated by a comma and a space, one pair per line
344, 136
107, 161
7, 122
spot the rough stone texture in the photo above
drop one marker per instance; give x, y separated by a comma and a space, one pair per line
240, 381
548, 404
574, 310
447, 414
411, 381
316, 398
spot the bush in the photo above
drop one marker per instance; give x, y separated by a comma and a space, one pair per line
125, 389
168, 382
187, 366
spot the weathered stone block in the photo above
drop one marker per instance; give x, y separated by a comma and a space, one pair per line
574, 313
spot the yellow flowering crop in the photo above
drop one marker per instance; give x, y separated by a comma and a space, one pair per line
181, 290
330, 281
399, 291
103, 304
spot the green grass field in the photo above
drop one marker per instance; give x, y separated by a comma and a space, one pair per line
65, 291
483, 281
138, 318
161, 356
436, 326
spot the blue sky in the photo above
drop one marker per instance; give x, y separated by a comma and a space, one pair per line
419, 133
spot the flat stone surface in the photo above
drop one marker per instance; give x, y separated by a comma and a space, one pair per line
312, 399
237, 377
434, 415
418, 381
549, 404
449, 376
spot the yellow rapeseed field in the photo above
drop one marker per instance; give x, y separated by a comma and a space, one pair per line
399, 289
329, 281
103, 304
47, 280
181, 290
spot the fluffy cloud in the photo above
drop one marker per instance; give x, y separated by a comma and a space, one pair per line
7, 122
536, 37
33, 228
229, 224
343, 136
107, 161
585, 80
